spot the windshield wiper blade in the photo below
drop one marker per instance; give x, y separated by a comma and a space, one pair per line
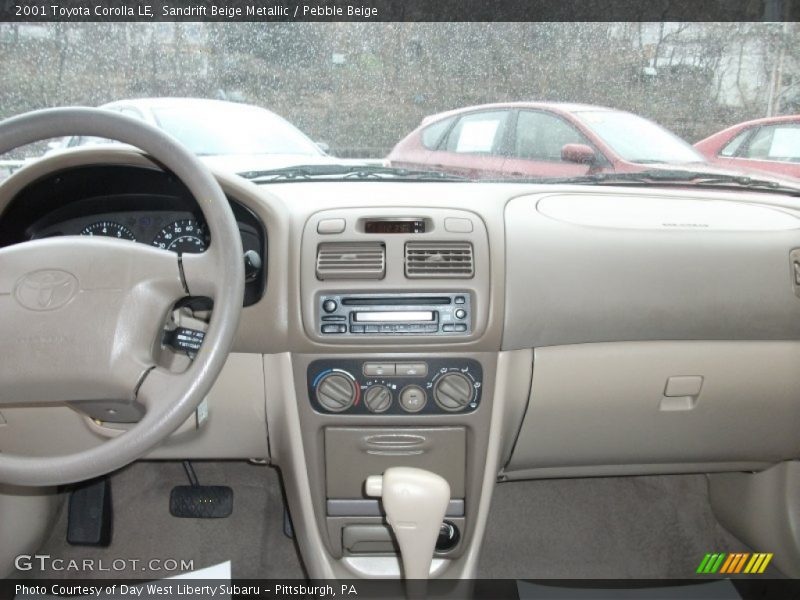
358, 172
680, 177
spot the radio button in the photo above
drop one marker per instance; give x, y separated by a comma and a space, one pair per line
371, 328
334, 328
460, 300
378, 369
432, 328
356, 329
413, 398
412, 369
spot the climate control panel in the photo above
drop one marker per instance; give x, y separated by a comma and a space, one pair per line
395, 387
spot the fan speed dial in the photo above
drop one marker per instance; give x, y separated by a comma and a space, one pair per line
378, 398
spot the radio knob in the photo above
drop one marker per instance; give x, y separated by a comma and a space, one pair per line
453, 392
336, 392
329, 306
378, 398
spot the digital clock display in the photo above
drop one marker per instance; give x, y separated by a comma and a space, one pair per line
395, 226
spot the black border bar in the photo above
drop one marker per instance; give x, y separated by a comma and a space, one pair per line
473, 589
397, 10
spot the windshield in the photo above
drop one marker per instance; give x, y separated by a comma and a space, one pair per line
232, 130
638, 140
483, 101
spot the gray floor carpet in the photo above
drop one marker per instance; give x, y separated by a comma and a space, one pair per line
616, 527
251, 538
625, 527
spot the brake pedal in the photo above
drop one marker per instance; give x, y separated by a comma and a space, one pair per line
197, 501
89, 517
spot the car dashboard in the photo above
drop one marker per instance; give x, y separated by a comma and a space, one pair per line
595, 331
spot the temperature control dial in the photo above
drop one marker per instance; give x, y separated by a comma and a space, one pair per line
336, 392
378, 398
453, 392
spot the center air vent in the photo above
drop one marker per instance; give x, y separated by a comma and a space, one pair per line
342, 260
439, 259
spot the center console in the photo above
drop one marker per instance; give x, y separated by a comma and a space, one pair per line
398, 298
361, 414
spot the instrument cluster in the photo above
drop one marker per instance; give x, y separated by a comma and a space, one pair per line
177, 231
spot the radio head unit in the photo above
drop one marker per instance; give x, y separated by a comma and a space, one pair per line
395, 314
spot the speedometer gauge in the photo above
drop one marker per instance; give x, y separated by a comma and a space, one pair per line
185, 237
109, 229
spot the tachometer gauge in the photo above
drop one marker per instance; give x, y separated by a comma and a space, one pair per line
185, 237
109, 229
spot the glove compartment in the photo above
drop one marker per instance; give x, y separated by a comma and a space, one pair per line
627, 407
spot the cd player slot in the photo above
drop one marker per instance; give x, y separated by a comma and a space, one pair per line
399, 316
397, 301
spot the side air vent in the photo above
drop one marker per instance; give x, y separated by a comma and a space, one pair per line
342, 260
439, 259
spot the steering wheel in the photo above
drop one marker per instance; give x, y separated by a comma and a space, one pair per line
81, 318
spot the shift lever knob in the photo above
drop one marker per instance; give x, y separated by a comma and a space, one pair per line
415, 502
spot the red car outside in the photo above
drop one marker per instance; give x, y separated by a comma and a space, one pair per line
540, 139
771, 144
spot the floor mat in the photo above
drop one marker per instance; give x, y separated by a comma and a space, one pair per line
251, 538
611, 527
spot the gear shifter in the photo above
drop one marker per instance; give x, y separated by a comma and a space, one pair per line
415, 502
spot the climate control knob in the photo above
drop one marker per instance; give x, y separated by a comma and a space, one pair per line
378, 398
413, 398
453, 392
336, 392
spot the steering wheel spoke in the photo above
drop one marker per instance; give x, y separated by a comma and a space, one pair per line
157, 389
202, 273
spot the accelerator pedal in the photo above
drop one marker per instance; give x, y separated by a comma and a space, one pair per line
197, 501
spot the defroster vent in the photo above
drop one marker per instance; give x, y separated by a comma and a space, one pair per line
439, 259
343, 260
